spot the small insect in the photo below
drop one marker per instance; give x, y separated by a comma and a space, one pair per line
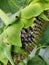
29, 38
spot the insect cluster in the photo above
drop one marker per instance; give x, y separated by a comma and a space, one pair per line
24, 32
30, 38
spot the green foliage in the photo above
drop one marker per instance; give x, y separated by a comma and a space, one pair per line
10, 36
5, 54
28, 22
18, 50
36, 61
13, 6
4, 17
1, 26
44, 17
30, 11
45, 37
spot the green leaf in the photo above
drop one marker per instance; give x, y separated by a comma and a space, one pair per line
12, 34
13, 17
1, 26
18, 50
43, 16
36, 61
4, 60
21, 63
45, 37
27, 22
5, 6
13, 5
4, 17
41, 2
5, 54
44, 53
30, 11
45, 6
9, 18
18, 4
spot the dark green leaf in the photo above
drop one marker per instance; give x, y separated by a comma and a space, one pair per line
36, 61
1, 26
45, 37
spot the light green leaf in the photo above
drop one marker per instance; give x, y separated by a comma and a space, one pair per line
12, 34
29, 11
43, 16
18, 50
4, 17
28, 22
45, 6
5, 54
44, 53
